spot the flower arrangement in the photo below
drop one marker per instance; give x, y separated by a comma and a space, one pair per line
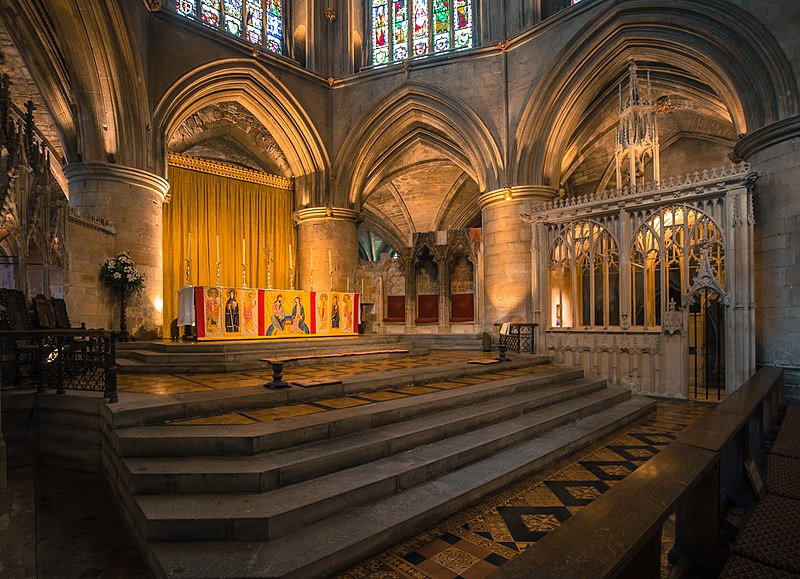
120, 273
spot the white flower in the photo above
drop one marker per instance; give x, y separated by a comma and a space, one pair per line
117, 275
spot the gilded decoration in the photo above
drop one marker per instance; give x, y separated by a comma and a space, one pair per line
230, 171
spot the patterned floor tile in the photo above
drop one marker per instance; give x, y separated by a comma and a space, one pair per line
280, 412
383, 395
233, 418
341, 402
416, 390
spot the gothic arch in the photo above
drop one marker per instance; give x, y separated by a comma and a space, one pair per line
716, 42
256, 89
416, 111
85, 62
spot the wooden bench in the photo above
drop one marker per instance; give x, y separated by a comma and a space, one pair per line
277, 363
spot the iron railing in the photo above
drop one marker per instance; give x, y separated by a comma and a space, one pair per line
61, 359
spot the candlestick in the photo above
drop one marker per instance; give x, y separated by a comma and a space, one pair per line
291, 263
219, 283
311, 280
244, 275
189, 247
291, 278
268, 251
330, 263
188, 270
331, 280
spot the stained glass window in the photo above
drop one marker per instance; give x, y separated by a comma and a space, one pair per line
210, 12
380, 27
274, 25
400, 27
187, 8
241, 18
411, 28
254, 22
233, 17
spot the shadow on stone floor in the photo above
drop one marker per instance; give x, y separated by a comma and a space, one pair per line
61, 524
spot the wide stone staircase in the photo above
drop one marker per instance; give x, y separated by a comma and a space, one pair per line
308, 495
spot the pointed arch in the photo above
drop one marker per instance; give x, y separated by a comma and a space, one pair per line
716, 42
260, 92
415, 111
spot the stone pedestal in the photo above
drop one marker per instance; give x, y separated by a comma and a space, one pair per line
324, 231
131, 199
508, 262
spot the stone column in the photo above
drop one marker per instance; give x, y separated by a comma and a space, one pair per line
323, 231
508, 261
131, 199
774, 151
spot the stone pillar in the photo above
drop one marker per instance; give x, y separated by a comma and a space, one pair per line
323, 231
774, 151
508, 261
131, 199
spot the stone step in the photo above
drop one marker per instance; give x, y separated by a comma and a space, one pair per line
221, 357
216, 440
352, 535
263, 516
260, 473
144, 409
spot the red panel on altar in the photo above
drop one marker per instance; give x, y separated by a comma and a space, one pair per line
427, 309
463, 308
395, 309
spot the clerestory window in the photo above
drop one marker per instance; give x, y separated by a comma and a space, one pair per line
403, 29
256, 21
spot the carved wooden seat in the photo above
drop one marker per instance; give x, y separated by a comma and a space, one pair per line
18, 354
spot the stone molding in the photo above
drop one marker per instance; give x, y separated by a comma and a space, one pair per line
768, 136
229, 171
540, 193
80, 172
317, 213
91, 221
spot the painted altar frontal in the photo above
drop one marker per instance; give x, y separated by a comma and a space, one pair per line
226, 313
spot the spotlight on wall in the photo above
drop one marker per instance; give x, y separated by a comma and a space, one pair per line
158, 304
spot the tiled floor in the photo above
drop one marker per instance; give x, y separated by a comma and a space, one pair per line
478, 541
180, 383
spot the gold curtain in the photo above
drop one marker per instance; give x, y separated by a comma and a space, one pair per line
209, 206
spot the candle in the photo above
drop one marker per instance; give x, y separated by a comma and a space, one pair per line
244, 257
362, 286
311, 261
217, 248
330, 263
348, 285
291, 263
189, 247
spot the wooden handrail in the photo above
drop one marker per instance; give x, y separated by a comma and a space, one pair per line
619, 533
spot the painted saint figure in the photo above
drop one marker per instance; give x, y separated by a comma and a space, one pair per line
335, 312
278, 318
347, 314
232, 313
248, 313
299, 325
212, 311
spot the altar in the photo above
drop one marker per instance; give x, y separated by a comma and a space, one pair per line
228, 313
